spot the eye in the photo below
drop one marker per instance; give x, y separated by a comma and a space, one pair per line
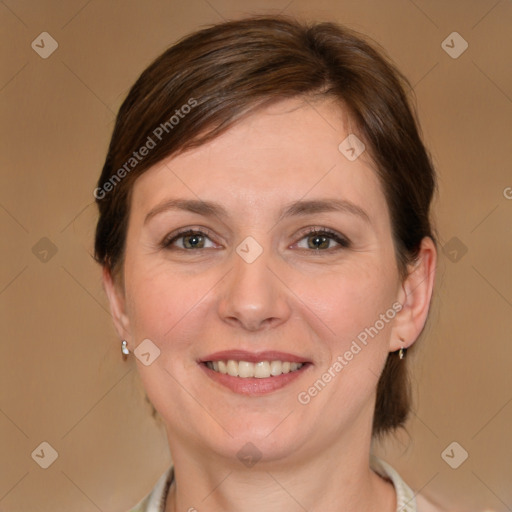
322, 239
317, 239
187, 240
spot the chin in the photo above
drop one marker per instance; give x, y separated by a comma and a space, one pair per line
265, 437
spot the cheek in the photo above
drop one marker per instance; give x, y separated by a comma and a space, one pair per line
349, 300
338, 304
164, 303
353, 308
169, 309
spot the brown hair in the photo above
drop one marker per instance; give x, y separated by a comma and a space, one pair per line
203, 84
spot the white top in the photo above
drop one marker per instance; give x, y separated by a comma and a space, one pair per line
405, 500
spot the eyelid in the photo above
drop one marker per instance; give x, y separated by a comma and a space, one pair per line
339, 238
178, 233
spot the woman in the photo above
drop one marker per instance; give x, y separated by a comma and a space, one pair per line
268, 257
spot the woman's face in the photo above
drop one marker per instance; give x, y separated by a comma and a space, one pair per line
249, 282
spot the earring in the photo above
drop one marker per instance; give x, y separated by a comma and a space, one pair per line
402, 351
124, 350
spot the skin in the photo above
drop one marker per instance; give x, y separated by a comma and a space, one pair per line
292, 298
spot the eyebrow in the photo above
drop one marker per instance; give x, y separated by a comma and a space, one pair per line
296, 208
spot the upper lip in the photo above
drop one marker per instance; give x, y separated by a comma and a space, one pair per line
253, 357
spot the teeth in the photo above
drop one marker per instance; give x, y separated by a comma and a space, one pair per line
276, 368
260, 370
223, 368
232, 368
245, 369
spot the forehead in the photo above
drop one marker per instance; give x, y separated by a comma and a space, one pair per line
281, 153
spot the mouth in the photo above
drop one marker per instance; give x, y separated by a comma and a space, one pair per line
259, 370
253, 373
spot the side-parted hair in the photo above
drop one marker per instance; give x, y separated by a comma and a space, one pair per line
207, 81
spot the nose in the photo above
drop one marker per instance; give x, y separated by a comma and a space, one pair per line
252, 295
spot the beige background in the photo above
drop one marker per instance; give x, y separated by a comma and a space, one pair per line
63, 380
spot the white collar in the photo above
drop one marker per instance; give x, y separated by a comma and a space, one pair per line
406, 502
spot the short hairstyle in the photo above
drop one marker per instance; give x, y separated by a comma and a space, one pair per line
202, 85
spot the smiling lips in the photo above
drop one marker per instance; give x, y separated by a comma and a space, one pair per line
253, 373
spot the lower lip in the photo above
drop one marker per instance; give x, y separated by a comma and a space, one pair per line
252, 386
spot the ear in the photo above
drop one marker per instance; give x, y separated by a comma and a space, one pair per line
414, 296
117, 305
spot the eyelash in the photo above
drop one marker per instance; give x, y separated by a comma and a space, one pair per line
343, 242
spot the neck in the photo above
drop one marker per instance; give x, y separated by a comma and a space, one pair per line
338, 479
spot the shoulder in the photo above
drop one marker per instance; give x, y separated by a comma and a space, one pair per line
405, 495
424, 504
155, 500
142, 506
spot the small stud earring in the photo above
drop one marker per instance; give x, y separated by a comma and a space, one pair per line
402, 351
124, 350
